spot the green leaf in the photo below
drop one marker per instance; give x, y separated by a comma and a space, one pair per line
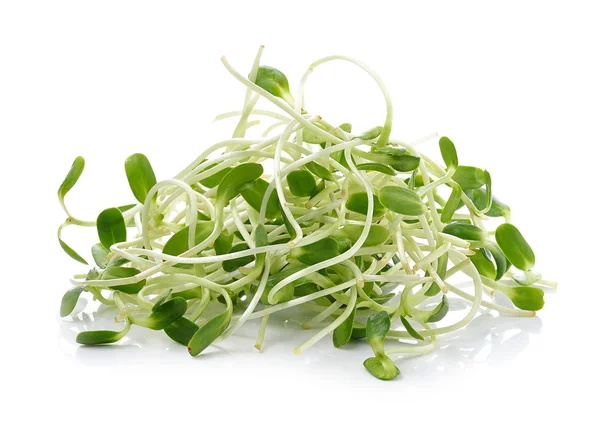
202, 217
469, 177
161, 299
288, 225
72, 177
433, 290
502, 263
313, 138
324, 249
189, 294
406, 163
118, 272
488, 189
451, 204
69, 300
401, 200
482, 259
254, 192
411, 330
358, 202
181, 330
381, 367
449, 154
439, 311
479, 198
320, 171
140, 176
374, 166
515, 247
164, 315
216, 178
274, 82
72, 253
208, 333
370, 134
301, 183
99, 253
465, 231
234, 264
101, 337
359, 331
178, 243
378, 234
111, 227
442, 267
223, 243
347, 127
343, 333
378, 325
237, 177
525, 297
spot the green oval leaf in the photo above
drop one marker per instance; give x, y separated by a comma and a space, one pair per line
100, 253
358, 202
502, 263
237, 177
70, 252
374, 166
452, 204
234, 264
482, 259
101, 337
181, 330
469, 177
164, 314
378, 234
313, 138
301, 183
525, 297
401, 200
439, 311
449, 154
411, 330
406, 163
254, 192
343, 333
72, 177
215, 179
347, 127
140, 176
208, 333
161, 299
223, 243
69, 300
515, 247
370, 134
324, 249
111, 227
178, 243
465, 231
320, 171
381, 367
274, 82
479, 198
378, 325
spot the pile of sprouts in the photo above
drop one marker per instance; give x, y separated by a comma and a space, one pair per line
362, 231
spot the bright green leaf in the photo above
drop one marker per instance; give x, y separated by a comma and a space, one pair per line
515, 247
401, 200
140, 176
111, 227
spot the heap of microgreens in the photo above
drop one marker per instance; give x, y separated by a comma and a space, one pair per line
360, 230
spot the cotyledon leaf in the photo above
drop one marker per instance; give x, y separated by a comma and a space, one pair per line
164, 314
210, 331
358, 202
140, 175
343, 333
69, 300
469, 177
111, 227
67, 249
100, 253
374, 166
72, 176
515, 247
237, 177
274, 82
320, 171
411, 330
401, 200
181, 330
254, 192
301, 183
101, 337
311, 254
449, 154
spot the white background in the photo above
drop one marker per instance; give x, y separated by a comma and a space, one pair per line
514, 84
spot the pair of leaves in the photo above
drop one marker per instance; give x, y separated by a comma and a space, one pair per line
380, 366
236, 178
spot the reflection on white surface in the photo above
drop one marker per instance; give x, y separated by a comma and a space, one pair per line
489, 340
